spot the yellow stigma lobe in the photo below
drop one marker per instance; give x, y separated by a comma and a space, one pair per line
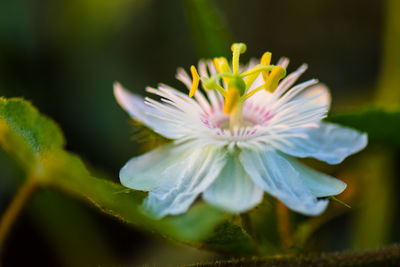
237, 49
274, 77
265, 60
232, 98
240, 47
196, 80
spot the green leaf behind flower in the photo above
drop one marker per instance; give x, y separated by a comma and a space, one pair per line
229, 237
25, 133
381, 125
37, 143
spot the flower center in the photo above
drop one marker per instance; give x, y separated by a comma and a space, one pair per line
253, 115
235, 86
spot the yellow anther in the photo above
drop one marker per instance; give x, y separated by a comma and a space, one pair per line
196, 80
232, 99
251, 78
274, 77
265, 60
222, 66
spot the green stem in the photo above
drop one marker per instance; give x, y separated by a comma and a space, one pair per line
284, 225
15, 208
374, 220
246, 223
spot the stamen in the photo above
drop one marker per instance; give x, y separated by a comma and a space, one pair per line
252, 74
232, 98
266, 60
222, 66
196, 80
274, 77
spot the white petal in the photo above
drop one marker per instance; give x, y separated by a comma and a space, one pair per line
319, 184
186, 177
289, 80
320, 90
144, 172
284, 62
277, 176
329, 142
233, 190
136, 107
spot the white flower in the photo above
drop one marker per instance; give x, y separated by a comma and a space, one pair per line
237, 141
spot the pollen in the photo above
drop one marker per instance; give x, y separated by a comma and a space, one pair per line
196, 80
265, 60
277, 73
222, 65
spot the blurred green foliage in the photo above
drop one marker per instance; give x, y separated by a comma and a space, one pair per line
24, 130
382, 126
209, 28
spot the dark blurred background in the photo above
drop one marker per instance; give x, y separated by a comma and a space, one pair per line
65, 55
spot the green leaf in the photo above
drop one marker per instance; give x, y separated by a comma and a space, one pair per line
37, 143
230, 238
125, 204
26, 133
381, 125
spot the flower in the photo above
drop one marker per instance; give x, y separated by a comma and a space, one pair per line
237, 141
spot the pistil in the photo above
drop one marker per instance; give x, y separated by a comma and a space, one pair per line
236, 117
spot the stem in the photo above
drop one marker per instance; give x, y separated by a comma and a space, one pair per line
284, 225
377, 169
248, 227
246, 223
15, 208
